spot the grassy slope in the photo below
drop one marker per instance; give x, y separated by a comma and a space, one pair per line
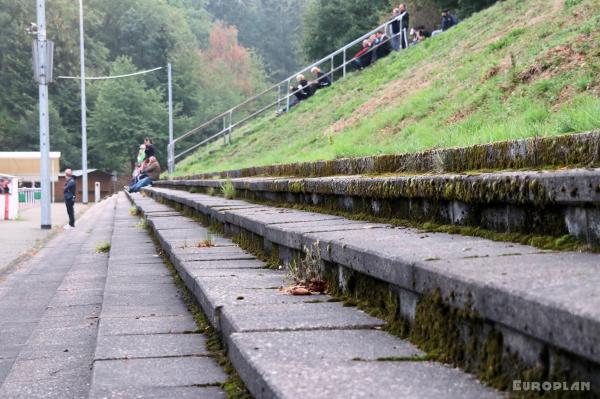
522, 68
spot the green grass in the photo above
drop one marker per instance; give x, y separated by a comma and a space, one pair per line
103, 248
228, 189
522, 68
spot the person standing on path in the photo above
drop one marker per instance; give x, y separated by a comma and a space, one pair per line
69, 194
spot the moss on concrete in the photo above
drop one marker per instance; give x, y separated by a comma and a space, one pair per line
576, 150
234, 387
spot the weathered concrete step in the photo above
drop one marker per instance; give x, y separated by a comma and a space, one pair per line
312, 341
533, 153
541, 308
48, 315
148, 344
555, 203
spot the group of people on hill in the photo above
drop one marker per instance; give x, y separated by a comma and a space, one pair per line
395, 38
147, 168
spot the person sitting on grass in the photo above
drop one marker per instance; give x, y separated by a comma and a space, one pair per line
383, 45
150, 173
303, 90
322, 80
362, 59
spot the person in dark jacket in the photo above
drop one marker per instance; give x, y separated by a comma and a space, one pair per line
394, 29
322, 80
404, 19
362, 59
69, 194
448, 20
304, 90
383, 45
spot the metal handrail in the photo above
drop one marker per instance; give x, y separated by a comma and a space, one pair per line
227, 128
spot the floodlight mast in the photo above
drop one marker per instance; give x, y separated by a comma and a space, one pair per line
43, 74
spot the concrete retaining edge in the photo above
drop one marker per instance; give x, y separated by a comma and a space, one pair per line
552, 203
558, 151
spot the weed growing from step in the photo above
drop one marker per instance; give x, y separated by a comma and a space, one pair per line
306, 271
234, 386
228, 189
207, 242
103, 248
134, 211
142, 224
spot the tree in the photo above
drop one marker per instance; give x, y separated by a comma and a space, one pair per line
330, 24
126, 112
270, 27
149, 33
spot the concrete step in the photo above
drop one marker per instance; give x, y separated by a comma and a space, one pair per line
49, 312
286, 346
148, 342
504, 311
552, 202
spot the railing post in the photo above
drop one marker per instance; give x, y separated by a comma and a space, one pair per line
230, 125
344, 73
224, 130
332, 68
287, 106
278, 97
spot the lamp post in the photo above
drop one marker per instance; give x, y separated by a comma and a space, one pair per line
84, 177
171, 146
43, 73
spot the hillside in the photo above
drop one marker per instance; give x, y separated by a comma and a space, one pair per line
518, 69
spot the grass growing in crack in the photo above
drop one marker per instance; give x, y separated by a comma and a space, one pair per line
228, 189
103, 248
234, 386
142, 224
134, 211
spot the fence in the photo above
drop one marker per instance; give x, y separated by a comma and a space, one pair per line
270, 98
29, 197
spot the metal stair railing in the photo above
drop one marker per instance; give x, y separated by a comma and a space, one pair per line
227, 117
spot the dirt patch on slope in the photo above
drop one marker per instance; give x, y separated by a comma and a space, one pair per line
391, 95
557, 60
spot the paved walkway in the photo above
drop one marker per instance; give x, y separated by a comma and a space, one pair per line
148, 342
75, 323
22, 236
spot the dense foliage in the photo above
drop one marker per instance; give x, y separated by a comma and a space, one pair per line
271, 27
211, 72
